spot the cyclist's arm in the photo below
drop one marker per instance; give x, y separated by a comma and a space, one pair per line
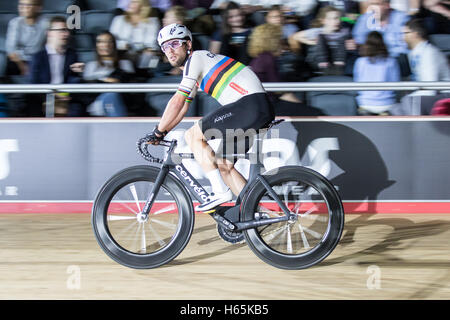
179, 103
174, 112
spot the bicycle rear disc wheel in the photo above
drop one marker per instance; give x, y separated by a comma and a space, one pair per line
305, 241
135, 240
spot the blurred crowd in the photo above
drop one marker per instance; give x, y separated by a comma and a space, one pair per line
282, 41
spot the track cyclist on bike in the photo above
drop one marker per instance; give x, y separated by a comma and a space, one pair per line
245, 105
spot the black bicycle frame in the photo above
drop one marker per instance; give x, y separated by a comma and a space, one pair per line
172, 163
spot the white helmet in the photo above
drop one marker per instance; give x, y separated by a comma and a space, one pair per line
173, 31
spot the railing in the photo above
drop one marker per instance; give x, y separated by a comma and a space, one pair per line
51, 90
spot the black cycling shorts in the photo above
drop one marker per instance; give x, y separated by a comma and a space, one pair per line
237, 122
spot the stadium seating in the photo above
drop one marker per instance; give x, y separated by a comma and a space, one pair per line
86, 55
83, 41
57, 6
103, 5
2, 63
335, 104
4, 20
94, 21
8, 6
442, 41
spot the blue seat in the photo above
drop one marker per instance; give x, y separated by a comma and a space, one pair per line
2, 63
104, 5
335, 104
86, 55
4, 20
442, 42
83, 41
95, 21
57, 6
9, 6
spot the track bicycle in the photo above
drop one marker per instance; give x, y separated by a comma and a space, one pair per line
143, 217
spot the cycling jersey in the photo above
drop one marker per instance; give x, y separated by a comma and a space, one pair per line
223, 78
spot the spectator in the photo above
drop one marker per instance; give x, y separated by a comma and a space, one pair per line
232, 39
276, 15
350, 8
175, 14
108, 68
426, 61
264, 48
25, 36
160, 5
375, 65
328, 41
56, 64
136, 32
380, 17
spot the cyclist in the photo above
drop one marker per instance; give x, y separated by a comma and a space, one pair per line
245, 105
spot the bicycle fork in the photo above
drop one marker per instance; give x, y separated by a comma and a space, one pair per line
152, 196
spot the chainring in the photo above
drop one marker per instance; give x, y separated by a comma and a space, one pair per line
230, 236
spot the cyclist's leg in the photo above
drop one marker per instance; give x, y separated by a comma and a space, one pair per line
203, 153
231, 176
205, 156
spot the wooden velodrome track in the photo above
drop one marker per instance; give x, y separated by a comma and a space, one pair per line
381, 256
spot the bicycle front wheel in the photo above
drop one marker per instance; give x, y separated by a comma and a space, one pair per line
138, 241
303, 242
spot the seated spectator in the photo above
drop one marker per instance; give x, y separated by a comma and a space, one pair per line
136, 32
427, 64
232, 39
264, 48
350, 9
375, 65
276, 15
328, 41
175, 14
426, 61
25, 36
56, 64
108, 68
160, 5
380, 17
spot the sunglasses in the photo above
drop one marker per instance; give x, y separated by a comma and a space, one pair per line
174, 44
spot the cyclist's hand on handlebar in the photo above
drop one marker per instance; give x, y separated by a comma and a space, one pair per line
155, 136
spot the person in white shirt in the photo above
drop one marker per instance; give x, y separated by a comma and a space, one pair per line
427, 63
25, 36
136, 31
